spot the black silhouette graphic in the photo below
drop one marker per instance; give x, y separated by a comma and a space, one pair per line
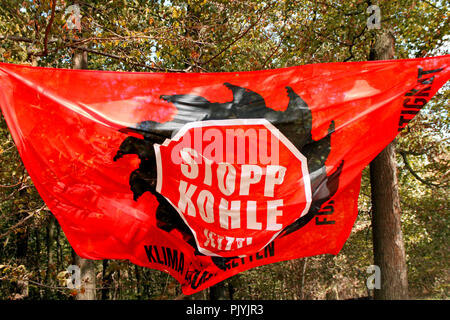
295, 123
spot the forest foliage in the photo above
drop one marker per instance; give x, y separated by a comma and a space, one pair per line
230, 35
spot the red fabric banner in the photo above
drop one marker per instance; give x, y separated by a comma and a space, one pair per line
207, 175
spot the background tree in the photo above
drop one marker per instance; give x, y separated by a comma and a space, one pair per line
231, 35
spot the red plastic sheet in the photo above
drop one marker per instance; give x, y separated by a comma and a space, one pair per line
207, 175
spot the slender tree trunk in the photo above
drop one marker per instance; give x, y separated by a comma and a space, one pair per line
231, 290
22, 285
218, 292
106, 283
87, 267
59, 253
303, 263
50, 256
138, 282
22, 254
87, 272
80, 60
388, 246
116, 295
36, 262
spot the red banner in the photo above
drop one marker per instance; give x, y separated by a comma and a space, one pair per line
207, 175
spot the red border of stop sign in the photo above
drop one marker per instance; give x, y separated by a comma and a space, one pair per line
239, 248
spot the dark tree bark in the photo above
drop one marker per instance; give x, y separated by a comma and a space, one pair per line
87, 267
388, 246
50, 256
80, 60
36, 259
303, 263
59, 253
106, 283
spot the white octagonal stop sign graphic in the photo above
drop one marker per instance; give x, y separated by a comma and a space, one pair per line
236, 183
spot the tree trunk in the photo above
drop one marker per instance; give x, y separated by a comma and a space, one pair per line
59, 253
388, 246
22, 250
87, 267
218, 292
138, 282
22, 254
